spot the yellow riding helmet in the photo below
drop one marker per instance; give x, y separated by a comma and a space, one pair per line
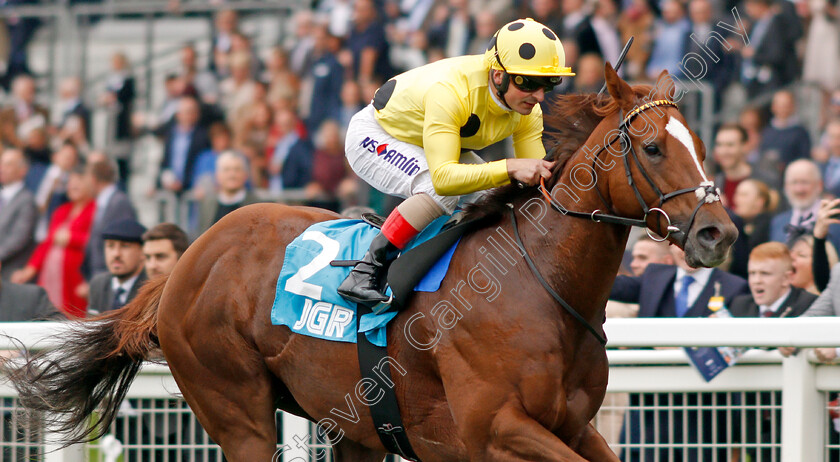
526, 47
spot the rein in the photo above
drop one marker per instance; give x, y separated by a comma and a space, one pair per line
706, 193
546, 286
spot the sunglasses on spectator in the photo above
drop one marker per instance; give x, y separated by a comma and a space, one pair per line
530, 84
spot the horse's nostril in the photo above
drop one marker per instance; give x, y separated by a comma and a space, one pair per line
709, 234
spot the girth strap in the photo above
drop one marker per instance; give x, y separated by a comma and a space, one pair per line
385, 411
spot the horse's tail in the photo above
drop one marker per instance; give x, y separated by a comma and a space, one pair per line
91, 367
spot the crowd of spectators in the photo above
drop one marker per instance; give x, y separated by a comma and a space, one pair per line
252, 124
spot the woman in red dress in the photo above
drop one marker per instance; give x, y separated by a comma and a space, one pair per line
58, 259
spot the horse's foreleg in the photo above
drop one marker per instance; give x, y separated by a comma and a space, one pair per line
593, 446
515, 436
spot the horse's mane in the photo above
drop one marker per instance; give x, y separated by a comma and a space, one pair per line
568, 123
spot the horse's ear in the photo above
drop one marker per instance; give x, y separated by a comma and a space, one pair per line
665, 85
618, 88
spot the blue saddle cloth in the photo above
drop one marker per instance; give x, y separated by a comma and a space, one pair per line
306, 299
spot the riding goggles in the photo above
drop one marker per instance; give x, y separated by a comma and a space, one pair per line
530, 83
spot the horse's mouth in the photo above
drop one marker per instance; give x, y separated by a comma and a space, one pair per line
709, 245
698, 262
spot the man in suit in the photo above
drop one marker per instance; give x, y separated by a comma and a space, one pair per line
670, 38
25, 302
184, 140
196, 81
114, 288
596, 33
784, 139
22, 112
225, 24
707, 42
163, 246
290, 166
772, 296
73, 122
645, 252
661, 291
112, 205
118, 98
119, 95
18, 214
231, 177
327, 79
768, 62
20, 31
803, 189
665, 291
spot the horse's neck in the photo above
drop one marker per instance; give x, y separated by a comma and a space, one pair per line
573, 250
578, 257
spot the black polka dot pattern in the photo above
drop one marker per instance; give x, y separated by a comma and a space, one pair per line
549, 34
383, 94
527, 51
491, 44
516, 26
471, 127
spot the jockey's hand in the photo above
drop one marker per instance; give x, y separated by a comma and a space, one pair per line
529, 171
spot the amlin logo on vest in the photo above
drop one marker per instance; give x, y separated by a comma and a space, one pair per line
407, 164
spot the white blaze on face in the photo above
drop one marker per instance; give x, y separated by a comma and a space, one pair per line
681, 133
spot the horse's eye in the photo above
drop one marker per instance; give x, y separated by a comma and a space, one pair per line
652, 150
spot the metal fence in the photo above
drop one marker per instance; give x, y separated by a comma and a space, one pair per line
20, 435
763, 409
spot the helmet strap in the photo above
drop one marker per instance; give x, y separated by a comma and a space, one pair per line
502, 88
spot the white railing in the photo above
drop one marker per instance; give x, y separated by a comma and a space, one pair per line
804, 385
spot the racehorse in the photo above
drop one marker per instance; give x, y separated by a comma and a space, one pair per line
506, 362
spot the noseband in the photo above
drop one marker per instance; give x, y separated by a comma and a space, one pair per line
706, 192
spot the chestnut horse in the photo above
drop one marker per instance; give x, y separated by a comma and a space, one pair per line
489, 368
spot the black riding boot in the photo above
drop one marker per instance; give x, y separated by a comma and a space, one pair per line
363, 283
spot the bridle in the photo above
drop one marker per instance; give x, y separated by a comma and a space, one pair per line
706, 192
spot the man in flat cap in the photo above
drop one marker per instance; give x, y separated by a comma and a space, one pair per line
114, 288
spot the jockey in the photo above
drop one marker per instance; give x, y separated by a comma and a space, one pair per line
414, 139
